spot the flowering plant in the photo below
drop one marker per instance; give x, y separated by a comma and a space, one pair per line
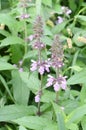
42, 65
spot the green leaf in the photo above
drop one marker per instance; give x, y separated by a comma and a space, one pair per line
6, 87
31, 54
81, 19
51, 127
11, 112
83, 94
47, 40
16, 53
33, 122
12, 24
38, 6
79, 77
32, 82
72, 126
72, 4
59, 116
47, 2
76, 36
75, 59
5, 66
76, 115
11, 40
48, 96
57, 9
20, 91
83, 123
60, 119
5, 33
58, 28
22, 128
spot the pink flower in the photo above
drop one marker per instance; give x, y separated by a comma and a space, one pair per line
20, 62
60, 19
24, 16
41, 70
63, 83
31, 37
56, 86
33, 65
37, 98
50, 81
58, 83
40, 66
20, 69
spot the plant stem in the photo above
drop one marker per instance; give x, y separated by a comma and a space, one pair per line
57, 74
39, 111
25, 32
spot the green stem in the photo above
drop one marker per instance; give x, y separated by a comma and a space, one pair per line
57, 74
39, 111
25, 33
81, 10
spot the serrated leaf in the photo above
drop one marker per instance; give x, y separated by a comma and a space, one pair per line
6, 87
12, 24
32, 82
83, 94
83, 123
33, 122
5, 33
81, 19
22, 128
72, 126
61, 123
20, 91
11, 112
11, 40
6, 66
59, 27
49, 95
79, 77
47, 2
76, 115
38, 6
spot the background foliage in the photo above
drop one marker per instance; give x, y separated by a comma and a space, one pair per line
18, 110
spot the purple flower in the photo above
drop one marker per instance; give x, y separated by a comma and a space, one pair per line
38, 45
50, 81
60, 20
41, 70
37, 98
31, 37
57, 63
24, 16
56, 86
33, 65
58, 83
66, 10
15, 65
40, 66
20, 62
20, 69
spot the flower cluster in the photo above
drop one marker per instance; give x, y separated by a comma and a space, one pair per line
38, 33
57, 53
40, 66
66, 10
58, 83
